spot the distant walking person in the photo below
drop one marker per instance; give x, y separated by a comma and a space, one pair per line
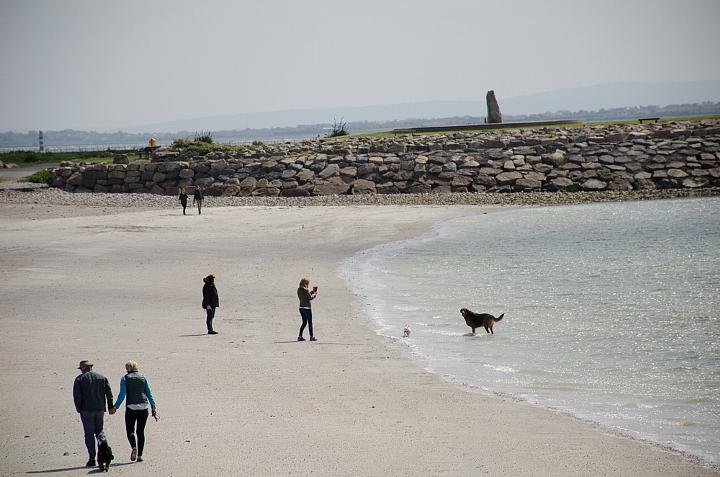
198, 198
305, 297
139, 399
91, 391
210, 301
183, 200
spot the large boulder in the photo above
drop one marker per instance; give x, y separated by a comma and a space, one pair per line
593, 184
75, 179
186, 173
330, 171
295, 192
562, 184
330, 188
485, 181
304, 175
362, 186
505, 178
230, 191
349, 171
527, 184
556, 158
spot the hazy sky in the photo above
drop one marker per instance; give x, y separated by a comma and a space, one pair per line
98, 63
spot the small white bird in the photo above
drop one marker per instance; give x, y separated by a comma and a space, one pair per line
406, 331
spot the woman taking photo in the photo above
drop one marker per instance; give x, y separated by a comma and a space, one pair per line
305, 297
139, 399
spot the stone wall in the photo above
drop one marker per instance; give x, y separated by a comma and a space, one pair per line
669, 155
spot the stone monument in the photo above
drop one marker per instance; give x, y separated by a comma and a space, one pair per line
493, 110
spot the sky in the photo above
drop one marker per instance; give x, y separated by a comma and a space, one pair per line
96, 64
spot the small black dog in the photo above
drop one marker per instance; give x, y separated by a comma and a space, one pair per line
104, 456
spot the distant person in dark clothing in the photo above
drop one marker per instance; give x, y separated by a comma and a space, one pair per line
183, 200
139, 400
198, 198
91, 392
305, 297
210, 301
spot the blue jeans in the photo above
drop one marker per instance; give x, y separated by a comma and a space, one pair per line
92, 422
306, 315
210, 316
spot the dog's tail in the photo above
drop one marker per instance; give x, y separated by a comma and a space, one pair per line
500, 317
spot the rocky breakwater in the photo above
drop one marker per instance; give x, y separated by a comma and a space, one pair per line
659, 156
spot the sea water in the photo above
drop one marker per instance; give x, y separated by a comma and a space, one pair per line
612, 311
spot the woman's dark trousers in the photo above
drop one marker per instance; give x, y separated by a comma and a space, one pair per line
210, 317
306, 315
133, 417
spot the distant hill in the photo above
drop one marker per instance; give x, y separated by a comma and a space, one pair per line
608, 96
95, 141
617, 95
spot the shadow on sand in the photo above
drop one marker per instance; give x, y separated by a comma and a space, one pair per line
318, 343
92, 470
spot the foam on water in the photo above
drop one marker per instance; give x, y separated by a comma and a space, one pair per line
612, 311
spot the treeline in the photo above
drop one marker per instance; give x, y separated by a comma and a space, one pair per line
88, 139
619, 114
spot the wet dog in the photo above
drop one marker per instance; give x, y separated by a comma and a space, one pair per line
476, 320
104, 456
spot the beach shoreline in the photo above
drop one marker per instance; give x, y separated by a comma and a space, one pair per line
353, 403
380, 326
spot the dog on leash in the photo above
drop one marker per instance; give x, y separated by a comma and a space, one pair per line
476, 320
104, 456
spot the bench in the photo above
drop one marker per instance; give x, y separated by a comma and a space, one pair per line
642, 120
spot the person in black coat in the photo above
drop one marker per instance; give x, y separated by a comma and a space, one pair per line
91, 393
210, 301
183, 200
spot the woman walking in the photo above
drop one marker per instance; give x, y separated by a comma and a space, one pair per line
139, 399
210, 302
183, 199
305, 297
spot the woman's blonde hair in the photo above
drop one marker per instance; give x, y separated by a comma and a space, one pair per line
304, 283
131, 366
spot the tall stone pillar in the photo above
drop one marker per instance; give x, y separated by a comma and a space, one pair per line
493, 109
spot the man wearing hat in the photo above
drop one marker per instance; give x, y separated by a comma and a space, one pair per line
91, 392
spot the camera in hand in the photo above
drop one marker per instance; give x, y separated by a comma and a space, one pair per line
314, 289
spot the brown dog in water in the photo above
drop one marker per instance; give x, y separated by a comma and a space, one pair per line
476, 320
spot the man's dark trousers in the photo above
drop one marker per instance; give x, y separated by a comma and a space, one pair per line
92, 422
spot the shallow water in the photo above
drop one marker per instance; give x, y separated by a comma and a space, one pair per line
612, 311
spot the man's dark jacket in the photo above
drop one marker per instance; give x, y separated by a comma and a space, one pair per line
91, 391
210, 296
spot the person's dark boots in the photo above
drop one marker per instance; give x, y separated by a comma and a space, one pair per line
90, 463
212, 332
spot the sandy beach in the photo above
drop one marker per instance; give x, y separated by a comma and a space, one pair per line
112, 284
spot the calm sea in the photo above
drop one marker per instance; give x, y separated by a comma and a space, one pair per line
612, 311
